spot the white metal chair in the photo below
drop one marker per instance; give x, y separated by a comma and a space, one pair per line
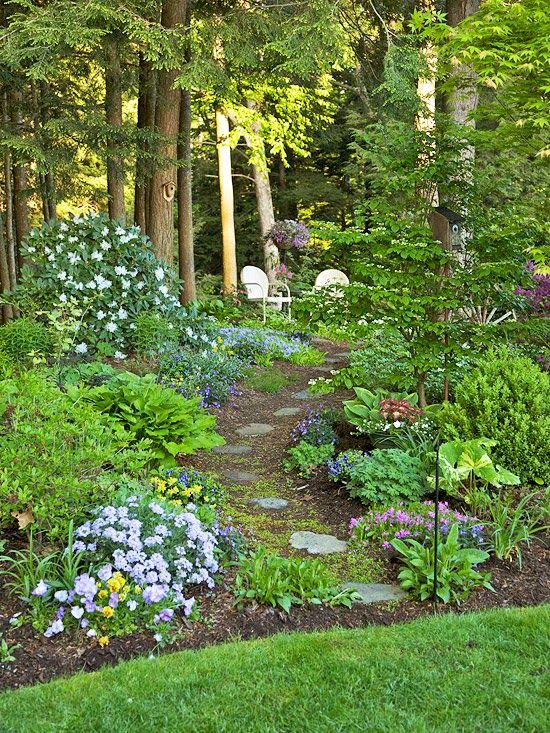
256, 284
329, 279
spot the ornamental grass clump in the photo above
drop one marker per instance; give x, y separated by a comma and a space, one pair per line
107, 271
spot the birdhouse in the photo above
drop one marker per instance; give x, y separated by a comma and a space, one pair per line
446, 227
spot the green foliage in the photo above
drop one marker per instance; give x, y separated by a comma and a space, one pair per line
267, 379
148, 411
153, 334
108, 271
54, 449
7, 650
514, 525
306, 457
456, 575
383, 476
273, 580
467, 463
506, 398
364, 411
23, 338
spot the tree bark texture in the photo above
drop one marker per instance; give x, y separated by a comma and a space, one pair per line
425, 120
8, 191
146, 123
229, 246
6, 311
163, 180
186, 252
113, 118
20, 193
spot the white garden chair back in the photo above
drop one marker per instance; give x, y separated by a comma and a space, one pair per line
331, 277
256, 284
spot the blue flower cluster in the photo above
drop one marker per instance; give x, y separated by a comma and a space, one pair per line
340, 467
316, 428
249, 343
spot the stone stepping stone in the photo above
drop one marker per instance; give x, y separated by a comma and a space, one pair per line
233, 450
317, 544
303, 395
254, 429
270, 503
323, 369
343, 354
376, 592
242, 477
333, 360
287, 411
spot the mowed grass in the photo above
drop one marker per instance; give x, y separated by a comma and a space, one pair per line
486, 672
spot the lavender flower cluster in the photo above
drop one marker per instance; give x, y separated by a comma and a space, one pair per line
316, 428
417, 521
211, 374
537, 296
288, 233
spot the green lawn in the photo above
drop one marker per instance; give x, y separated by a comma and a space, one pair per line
484, 672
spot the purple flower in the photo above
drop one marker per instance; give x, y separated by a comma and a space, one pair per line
154, 594
113, 600
85, 585
105, 572
166, 614
56, 628
41, 589
61, 596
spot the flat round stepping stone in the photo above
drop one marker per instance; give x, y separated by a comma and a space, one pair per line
343, 354
244, 477
303, 395
323, 369
254, 429
317, 544
376, 592
270, 503
233, 450
285, 411
333, 360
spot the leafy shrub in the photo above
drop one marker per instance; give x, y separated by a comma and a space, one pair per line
417, 521
110, 272
316, 428
147, 410
306, 457
210, 375
24, 336
382, 476
153, 334
279, 581
455, 568
506, 398
53, 452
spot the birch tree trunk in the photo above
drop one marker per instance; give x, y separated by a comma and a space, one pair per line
113, 117
229, 246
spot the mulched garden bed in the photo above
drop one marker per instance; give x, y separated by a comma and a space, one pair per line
40, 659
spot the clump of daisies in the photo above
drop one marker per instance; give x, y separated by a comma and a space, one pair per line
105, 272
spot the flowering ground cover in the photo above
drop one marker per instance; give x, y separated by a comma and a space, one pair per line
439, 674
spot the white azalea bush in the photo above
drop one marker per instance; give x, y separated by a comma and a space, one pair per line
105, 272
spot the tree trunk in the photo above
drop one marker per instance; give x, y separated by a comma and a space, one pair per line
6, 311
20, 207
113, 117
186, 252
163, 180
8, 190
145, 122
229, 247
425, 120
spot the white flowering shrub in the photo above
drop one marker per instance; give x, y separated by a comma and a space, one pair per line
108, 271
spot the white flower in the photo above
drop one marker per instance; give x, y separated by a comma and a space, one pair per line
79, 286
63, 227
63, 298
125, 284
105, 245
111, 327
77, 611
140, 285
97, 255
122, 314
31, 249
51, 257
121, 270
91, 285
157, 638
397, 424
81, 348
100, 315
119, 231
62, 275
163, 289
47, 250
58, 248
91, 632
72, 239
159, 274
105, 231
133, 326
102, 282
157, 300
73, 258
120, 355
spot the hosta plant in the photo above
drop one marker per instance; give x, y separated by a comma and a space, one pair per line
456, 568
146, 409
